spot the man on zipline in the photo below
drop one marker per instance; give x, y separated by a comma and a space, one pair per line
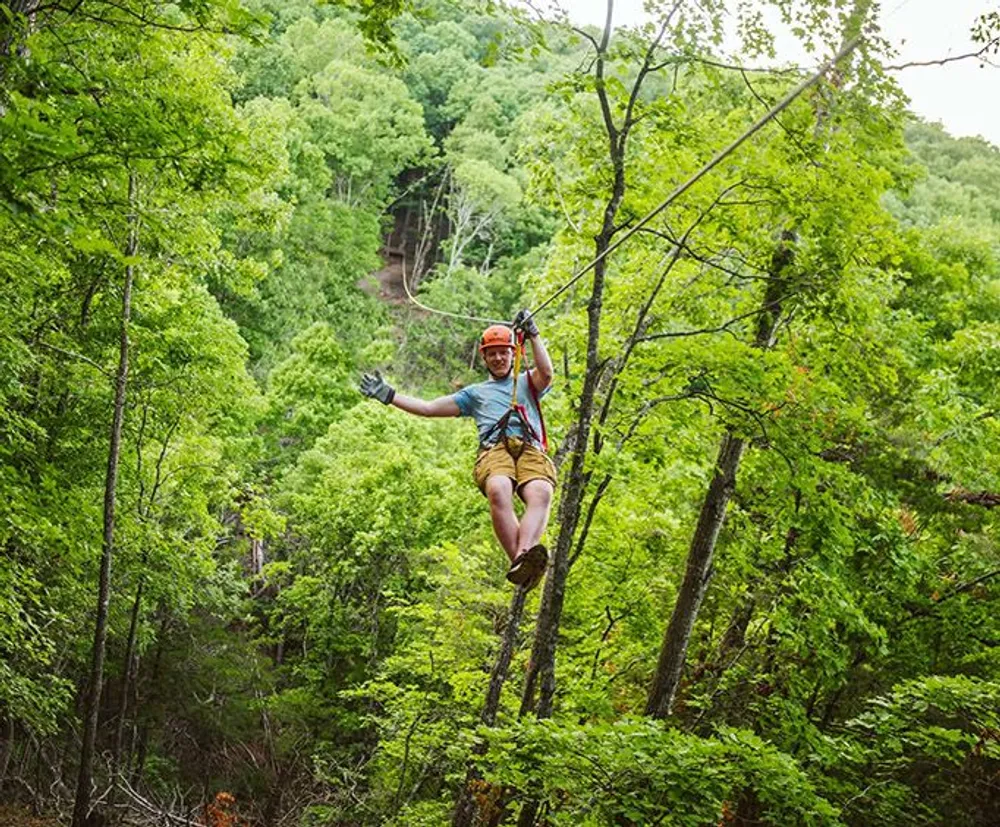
512, 456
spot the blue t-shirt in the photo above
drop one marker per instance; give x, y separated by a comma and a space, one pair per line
487, 401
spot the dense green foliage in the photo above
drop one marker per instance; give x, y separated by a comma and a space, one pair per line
309, 581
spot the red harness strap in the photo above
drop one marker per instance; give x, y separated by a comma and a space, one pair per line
541, 417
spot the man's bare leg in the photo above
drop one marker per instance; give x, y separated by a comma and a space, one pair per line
537, 496
500, 493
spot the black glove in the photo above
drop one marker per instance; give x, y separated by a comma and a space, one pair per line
526, 322
375, 387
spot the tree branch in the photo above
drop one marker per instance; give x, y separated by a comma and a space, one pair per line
791, 136
961, 588
588, 36
79, 356
680, 60
627, 122
987, 499
991, 45
592, 508
602, 92
641, 321
722, 328
645, 408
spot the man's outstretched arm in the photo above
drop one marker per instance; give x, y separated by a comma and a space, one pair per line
442, 406
375, 387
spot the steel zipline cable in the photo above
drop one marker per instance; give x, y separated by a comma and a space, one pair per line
721, 155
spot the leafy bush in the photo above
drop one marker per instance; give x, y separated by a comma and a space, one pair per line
927, 753
636, 772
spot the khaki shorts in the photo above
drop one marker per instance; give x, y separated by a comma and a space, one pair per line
532, 464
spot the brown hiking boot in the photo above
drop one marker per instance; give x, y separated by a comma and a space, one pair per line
540, 567
518, 571
529, 567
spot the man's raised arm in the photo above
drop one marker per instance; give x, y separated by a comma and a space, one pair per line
541, 376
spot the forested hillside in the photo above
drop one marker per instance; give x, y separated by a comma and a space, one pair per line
233, 590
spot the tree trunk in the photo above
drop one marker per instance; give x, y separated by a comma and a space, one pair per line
153, 681
541, 669
696, 577
6, 744
81, 807
543, 653
698, 570
465, 808
128, 674
10, 35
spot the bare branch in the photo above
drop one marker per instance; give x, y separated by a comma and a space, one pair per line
980, 54
722, 328
791, 136
680, 60
592, 508
646, 407
78, 356
708, 260
602, 92
612, 621
562, 203
644, 69
987, 499
961, 588
151, 809
588, 36
158, 477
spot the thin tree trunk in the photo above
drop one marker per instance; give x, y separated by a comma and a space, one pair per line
499, 674
541, 671
696, 577
465, 808
6, 744
10, 36
128, 673
698, 570
143, 740
85, 779
542, 668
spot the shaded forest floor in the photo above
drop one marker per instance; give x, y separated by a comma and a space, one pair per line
11, 816
387, 282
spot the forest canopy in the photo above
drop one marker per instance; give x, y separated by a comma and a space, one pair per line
234, 590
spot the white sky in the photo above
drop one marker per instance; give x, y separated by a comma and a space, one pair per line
961, 95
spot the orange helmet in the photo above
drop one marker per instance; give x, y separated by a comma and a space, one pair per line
496, 335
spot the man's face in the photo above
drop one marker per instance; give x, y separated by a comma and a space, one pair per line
498, 360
